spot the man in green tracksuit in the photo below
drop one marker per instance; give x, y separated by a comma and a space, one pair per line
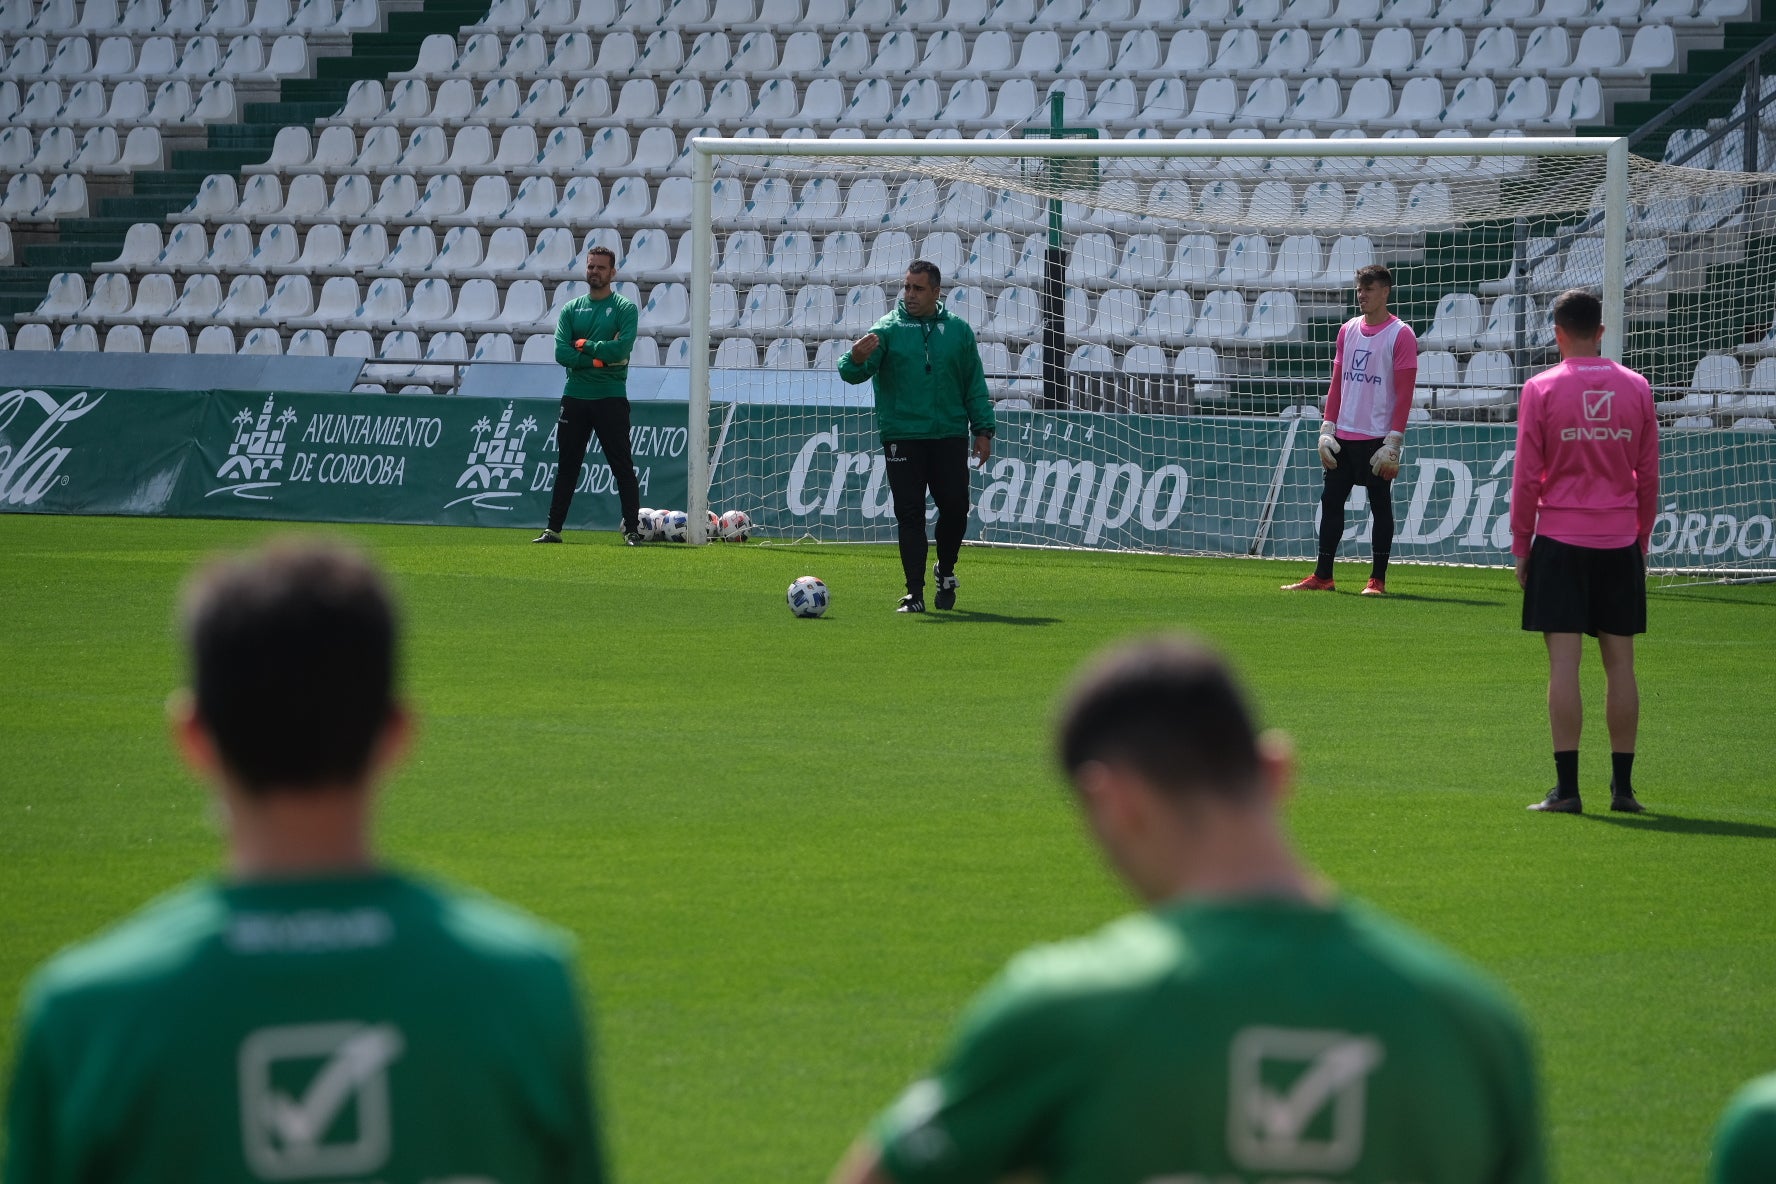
931, 395
592, 340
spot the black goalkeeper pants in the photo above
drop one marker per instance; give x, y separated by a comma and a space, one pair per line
580, 418
940, 467
1353, 470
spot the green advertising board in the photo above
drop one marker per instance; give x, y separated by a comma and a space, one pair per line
1189, 484
1217, 485
314, 458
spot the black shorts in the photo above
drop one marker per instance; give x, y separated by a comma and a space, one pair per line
1593, 590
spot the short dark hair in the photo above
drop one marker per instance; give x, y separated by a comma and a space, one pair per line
1167, 708
1578, 312
1375, 273
292, 662
926, 267
605, 251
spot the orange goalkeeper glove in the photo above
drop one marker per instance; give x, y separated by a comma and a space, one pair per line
580, 344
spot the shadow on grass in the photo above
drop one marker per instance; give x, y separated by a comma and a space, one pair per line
963, 614
1461, 600
1712, 596
1678, 825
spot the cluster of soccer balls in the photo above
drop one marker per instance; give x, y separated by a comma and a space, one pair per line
671, 526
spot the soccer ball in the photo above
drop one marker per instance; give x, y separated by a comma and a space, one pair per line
673, 525
647, 524
735, 526
714, 531
808, 597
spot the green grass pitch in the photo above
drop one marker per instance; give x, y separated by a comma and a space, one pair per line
792, 849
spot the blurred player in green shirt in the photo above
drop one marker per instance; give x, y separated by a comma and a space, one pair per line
1251, 1026
1745, 1143
310, 1015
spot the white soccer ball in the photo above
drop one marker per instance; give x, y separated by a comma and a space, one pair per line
647, 524
808, 597
735, 526
714, 529
674, 526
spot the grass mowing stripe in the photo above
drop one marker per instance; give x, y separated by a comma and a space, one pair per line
792, 849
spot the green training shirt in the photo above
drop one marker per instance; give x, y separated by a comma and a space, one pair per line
608, 327
1745, 1144
927, 377
1230, 1043
354, 1029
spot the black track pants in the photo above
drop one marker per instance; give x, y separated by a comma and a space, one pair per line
1353, 470
940, 466
573, 435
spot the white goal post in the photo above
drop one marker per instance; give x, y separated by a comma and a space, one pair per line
1512, 218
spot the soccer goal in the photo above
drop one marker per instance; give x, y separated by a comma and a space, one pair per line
1156, 318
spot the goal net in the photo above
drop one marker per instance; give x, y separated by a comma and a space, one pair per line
1156, 321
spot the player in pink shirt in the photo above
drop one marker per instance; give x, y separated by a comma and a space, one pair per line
1583, 496
1364, 426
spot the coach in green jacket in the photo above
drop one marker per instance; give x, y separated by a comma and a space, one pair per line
593, 337
931, 395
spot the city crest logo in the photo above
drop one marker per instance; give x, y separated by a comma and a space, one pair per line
256, 452
495, 462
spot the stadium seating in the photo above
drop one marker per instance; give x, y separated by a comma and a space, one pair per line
451, 201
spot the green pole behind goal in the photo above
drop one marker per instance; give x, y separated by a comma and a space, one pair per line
1060, 173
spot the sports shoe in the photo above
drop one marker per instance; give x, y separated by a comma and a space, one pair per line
1625, 803
1555, 804
1374, 588
946, 589
911, 603
548, 536
1310, 584
633, 538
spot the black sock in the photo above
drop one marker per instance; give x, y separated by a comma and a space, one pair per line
1621, 773
1566, 773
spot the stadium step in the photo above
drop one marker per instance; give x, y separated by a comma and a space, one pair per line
205, 161
295, 109
67, 256
367, 65
241, 137
26, 281
11, 305
143, 209
184, 181
109, 230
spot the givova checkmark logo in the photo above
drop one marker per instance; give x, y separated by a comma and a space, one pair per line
314, 1099
1296, 1098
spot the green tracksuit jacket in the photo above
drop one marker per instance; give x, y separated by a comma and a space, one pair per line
608, 326
928, 378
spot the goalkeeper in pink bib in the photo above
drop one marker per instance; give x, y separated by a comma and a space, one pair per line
1584, 492
1364, 426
